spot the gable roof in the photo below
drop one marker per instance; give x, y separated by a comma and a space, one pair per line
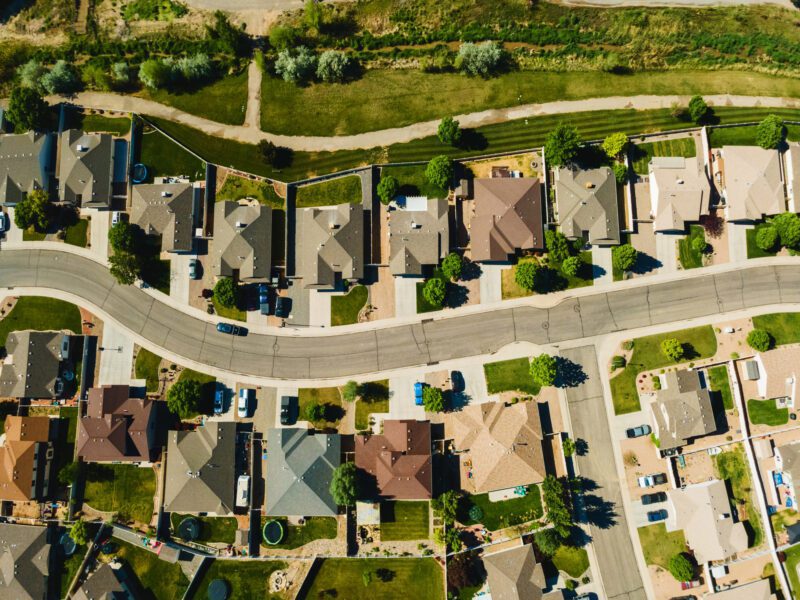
587, 202
201, 469
508, 217
500, 444
790, 460
754, 590
779, 369
418, 238
86, 168
682, 410
116, 427
105, 583
25, 164
300, 465
679, 191
32, 364
331, 242
514, 574
166, 210
400, 459
753, 183
24, 562
242, 240
18, 456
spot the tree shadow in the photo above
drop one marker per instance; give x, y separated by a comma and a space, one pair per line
645, 264
470, 270
593, 508
472, 139
581, 447
597, 271
591, 157
373, 392
456, 295
333, 412
284, 157
568, 373
689, 352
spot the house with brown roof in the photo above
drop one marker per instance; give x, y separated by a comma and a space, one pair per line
507, 217
760, 589
26, 458
500, 446
514, 574
399, 459
753, 183
117, 428
682, 410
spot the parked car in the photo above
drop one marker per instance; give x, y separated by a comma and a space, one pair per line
654, 498
228, 328
652, 480
243, 491
264, 299
714, 451
193, 268
639, 431
116, 217
219, 400
654, 516
418, 386
286, 410
3, 222
243, 408
283, 306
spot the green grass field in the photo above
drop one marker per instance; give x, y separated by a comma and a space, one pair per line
345, 309
341, 190
765, 412
248, 580
374, 398
573, 561
146, 367
125, 489
753, 251
642, 153
659, 545
236, 188
510, 376
235, 313
688, 256
499, 515
718, 381
76, 234
164, 157
212, 529
98, 123
413, 182
511, 289
40, 314
159, 579
315, 528
329, 397
792, 560
732, 466
405, 520
783, 327
223, 100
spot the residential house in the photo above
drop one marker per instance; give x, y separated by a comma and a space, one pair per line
242, 246
792, 167
300, 465
86, 169
787, 463
117, 428
682, 410
25, 562
201, 469
775, 373
760, 589
514, 574
507, 218
26, 164
680, 192
419, 235
34, 364
587, 205
330, 245
753, 183
703, 511
108, 582
399, 460
26, 458
500, 446
167, 210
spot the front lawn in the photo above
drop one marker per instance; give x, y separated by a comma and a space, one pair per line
689, 257
389, 579
345, 309
405, 520
510, 376
753, 251
642, 154
329, 397
146, 367
557, 281
212, 529
341, 190
732, 466
698, 342
248, 580
413, 182
315, 528
792, 560
573, 561
223, 101
718, 381
783, 327
76, 234
159, 579
499, 515
373, 399
208, 386
164, 157
236, 188
234, 312
766, 412
124, 489
40, 314
659, 545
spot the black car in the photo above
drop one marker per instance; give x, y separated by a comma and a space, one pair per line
283, 306
654, 498
286, 410
639, 431
231, 329
265, 299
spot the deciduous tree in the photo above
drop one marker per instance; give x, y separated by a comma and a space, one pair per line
296, 66
624, 257
434, 291
557, 245
698, 109
121, 237
571, 266
449, 131
562, 145
124, 267
788, 227
344, 488
770, 132
388, 188
439, 171
350, 391
548, 541
672, 349
543, 369
482, 60
681, 568
432, 399
27, 110
451, 266
759, 339
767, 238
615, 144
526, 274
183, 397
78, 533
334, 66
226, 292
34, 210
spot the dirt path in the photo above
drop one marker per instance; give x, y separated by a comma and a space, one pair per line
679, 3
252, 117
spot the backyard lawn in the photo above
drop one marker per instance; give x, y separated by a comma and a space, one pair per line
341, 190
792, 560
159, 579
248, 580
641, 154
732, 466
345, 309
659, 546
69, 567
236, 188
315, 528
718, 381
373, 398
499, 515
329, 397
212, 529
146, 367
119, 126
766, 412
124, 489
223, 100
405, 520
753, 251
163, 157
743, 136
413, 182
573, 561
390, 579
510, 376
698, 342
40, 314
783, 327
76, 234
690, 258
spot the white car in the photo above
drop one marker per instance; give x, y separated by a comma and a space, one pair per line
242, 406
116, 217
714, 451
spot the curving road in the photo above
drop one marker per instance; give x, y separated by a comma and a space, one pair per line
429, 341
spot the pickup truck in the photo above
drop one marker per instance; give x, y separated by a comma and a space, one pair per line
652, 480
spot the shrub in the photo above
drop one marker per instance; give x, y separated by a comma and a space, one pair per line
568, 445
121, 73
698, 109
543, 369
334, 66
449, 131
281, 37
432, 399
439, 171
451, 266
615, 144
788, 227
315, 412
624, 257
226, 292
481, 60
31, 73
78, 533
298, 66
194, 68
620, 172
154, 73
571, 584
27, 110
767, 238
557, 245
475, 513
95, 76
699, 244
681, 567
760, 340
618, 362
350, 391
672, 349
547, 541
571, 266
388, 187
562, 145
434, 291
770, 132
526, 274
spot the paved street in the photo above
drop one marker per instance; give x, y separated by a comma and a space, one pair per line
609, 530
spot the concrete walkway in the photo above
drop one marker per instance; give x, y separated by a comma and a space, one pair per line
252, 117
667, 252
372, 139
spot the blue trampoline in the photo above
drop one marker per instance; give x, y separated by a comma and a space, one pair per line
139, 173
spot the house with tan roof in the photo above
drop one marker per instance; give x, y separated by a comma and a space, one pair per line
419, 235
703, 512
34, 364
26, 164
514, 574
507, 218
499, 446
787, 463
753, 183
682, 410
792, 168
399, 459
117, 428
587, 204
760, 589
680, 192
26, 458
242, 244
167, 210
775, 373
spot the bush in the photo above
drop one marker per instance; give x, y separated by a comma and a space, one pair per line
95, 76
449, 131
298, 66
334, 66
698, 109
481, 60
672, 349
618, 362
451, 266
767, 238
526, 274
620, 172
760, 340
624, 257
31, 73
547, 541
543, 369
27, 110
315, 412
350, 391
121, 73
475, 513
226, 292
281, 37
699, 244
770, 132
434, 291
557, 245
194, 68
681, 568
562, 145
615, 144
787, 226
154, 74
388, 187
571, 266
183, 397
568, 445
78, 533
432, 399
571, 584
439, 171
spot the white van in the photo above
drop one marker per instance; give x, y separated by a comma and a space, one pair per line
243, 491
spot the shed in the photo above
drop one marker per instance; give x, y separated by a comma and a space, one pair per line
751, 370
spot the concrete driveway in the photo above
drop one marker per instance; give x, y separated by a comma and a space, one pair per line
737, 242
401, 397
667, 251
638, 512
491, 283
405, 296
601, 256
319, 308
116, 356
14, 233
179, 280
98, 232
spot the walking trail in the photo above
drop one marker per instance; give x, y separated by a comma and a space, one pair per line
252, 117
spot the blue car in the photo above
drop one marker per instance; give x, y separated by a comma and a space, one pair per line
219, 398
228, 328
418, 393
656, 515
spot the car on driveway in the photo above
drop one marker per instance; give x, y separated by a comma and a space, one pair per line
3, 222
654, 498
639, 431
418, 387
286, 410
283, 306
264, 299
714, 451
231, 329
219, 400
654, 516
193, 270
652, 480
243, 406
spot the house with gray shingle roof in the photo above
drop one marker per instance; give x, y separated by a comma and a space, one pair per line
26, 164
86, 168
682, 410
25, 556
167, 210
419, 235
514, 574
33, 364
300, 465
242, 242
107, 582
587, 204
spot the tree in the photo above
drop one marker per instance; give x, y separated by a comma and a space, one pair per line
388, 188
568, 445
558, 513
449, 131
788, 227
27, 110
698, 109
450, 538
547, 541
615, 144
672, 349
281, 37
31, 73
124, 267
562, 145
268, 151
33, 210
451, 266
463, 570
557, 245
571, 266
344, 485
620, 172
767, 238
770, 132
446, 506
759, 339
681, 568
61, 79
699, 244
194, 68
543, 369
623, 257
68, 473
226, 292
439, 171
121, 73
312, 15
432, 399
298, 66
183, 397
121, 237
434, 291
231, 39
154, 73
350, 391
526, 274
315, 412
96, 77
334, 66
78, 533
481, 60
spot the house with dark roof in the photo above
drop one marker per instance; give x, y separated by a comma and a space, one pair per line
242, 244
34, 364
419, 235
514, 574
588, 207
167, 210
682, 410
399, 459
507, 217
25, 562
26, 458
300, 465
26, 164
201, 469
108, 582
117, 428
86, 168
